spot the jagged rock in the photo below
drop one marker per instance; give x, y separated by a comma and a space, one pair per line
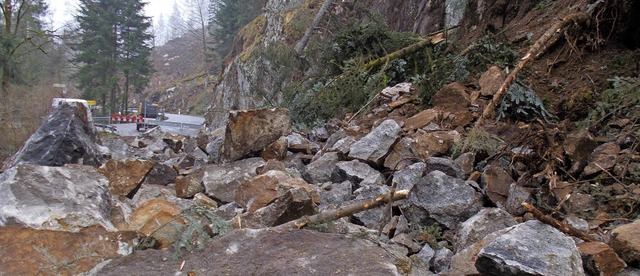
343, 145
65, 137
453, 100
446, 199
300, 144
118, 147
400, 155
321, 169
264, 189
337, 135
491, 80
252, 252
467, 163
373, 217
428, 144
600, 259
577, 223
174, 142
185, 163
445, 165
517, 195
579, 202
333, 195
160, 174
425, 256
189, 185
376, 145
319, 134
407, 241
276, 150
409, 176
578, 147
251, 130
125, 175
531, 248
625, 240
421, 119
496, 182
27, 251
211, 143
54, 198
486, 221
203, 200
441, 260
291, 203
157, 218
222, 181
271, 165
358, 173
463, 262
229, 210
604, 157
147, 192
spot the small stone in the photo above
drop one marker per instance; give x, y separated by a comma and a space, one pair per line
406, 241
189, 185
491, 80
496, 182
625, 240
600, 259
276, 150
604, 157
421, 119
517, 195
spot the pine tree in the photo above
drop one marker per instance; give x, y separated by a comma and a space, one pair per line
176, 23
113, 50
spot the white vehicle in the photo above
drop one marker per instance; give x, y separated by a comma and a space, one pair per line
58, 101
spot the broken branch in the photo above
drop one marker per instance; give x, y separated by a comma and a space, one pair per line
331, 215
563, 227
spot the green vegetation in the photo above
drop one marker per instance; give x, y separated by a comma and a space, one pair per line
619, 101
522, 104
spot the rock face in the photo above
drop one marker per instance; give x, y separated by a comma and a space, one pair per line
446, 199
45, 252
265, 252
531, 248
626, 242
55, 198
65, 137
376, 145
222, 181
125, 175
251, 130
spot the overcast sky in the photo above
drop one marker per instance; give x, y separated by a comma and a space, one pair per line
62, 11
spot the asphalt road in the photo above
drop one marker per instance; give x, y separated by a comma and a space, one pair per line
184, 125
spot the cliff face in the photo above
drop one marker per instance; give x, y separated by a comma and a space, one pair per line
255, 71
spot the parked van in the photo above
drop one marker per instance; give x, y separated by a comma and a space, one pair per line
58, 101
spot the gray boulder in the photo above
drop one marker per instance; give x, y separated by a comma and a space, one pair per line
65, 137
373, 217
334, 195
54, 198
446, 199
358, 173
222, 181
321, 169
530, 248
376, 145
486, 221
445, 165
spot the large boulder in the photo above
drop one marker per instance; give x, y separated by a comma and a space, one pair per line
125, 176
222, 181
373, 147
486, 221
65, 137
358, 173
266, 252
158, 218
27, 251
251, 130
531, 248
446, 199
55, 198
264, 189
320, 170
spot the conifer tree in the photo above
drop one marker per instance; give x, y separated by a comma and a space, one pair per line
113, 49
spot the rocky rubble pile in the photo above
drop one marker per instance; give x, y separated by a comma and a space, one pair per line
212, 204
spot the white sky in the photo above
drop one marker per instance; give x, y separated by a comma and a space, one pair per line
62, 11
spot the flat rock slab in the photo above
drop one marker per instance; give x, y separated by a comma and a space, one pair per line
265, 252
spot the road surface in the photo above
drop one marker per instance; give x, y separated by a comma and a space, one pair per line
184, 125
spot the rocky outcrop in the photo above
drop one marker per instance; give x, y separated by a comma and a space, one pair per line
65, 137
54, 198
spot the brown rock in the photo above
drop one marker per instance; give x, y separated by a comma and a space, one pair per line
625, 241
125, 175
276, 150
175, 142
293, 203
491, 80
271, 165
578, 147
251, 130
428, 144
497, 182
451, 98
161, 174
604, 157
157, 218
600, 259
421, 119
517, 195
263, 189
400, 155
189, 185
28, 251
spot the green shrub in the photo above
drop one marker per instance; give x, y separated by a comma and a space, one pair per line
520, 103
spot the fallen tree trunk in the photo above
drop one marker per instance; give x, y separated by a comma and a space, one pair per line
549, 38
316, 21
331, 215
563, 227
